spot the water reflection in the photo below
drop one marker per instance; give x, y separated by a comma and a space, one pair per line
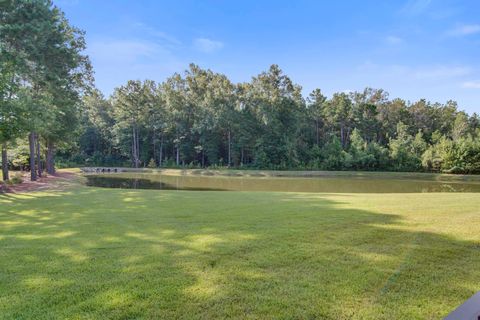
138, 183
323, 184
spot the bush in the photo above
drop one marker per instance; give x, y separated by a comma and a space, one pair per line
17, 179
455, 170
151, 164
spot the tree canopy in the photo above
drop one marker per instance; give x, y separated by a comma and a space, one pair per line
200, 118
43, 74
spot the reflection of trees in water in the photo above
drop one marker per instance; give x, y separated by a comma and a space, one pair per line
335, 185
139, 183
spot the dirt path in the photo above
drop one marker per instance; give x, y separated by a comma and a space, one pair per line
59, 181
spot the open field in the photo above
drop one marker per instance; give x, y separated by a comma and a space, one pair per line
85, 253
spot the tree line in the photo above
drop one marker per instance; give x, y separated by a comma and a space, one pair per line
200, 118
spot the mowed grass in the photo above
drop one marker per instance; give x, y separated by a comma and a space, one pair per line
90, 253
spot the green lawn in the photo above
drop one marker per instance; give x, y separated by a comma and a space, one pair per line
89, 253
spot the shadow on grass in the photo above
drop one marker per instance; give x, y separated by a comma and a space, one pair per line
121, 254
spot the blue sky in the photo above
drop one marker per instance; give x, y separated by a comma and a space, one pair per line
411, 48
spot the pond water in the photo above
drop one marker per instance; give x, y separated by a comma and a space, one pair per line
343, 184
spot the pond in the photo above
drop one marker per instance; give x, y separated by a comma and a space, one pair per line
327, 184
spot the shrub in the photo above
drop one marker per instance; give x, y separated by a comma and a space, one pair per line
151, 164
455, 170
16, 179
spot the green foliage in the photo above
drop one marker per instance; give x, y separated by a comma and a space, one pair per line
43, 72
16, 179
454, 156
333, 155
151, 164
200, 118
18, 154
405, 149
359, 157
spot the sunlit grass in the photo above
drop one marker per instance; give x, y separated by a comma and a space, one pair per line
88, 253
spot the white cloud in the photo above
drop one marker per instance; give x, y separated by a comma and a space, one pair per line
421, 73
156, 33
118, 60
122, 50
414, 7
471, 84
435, 82
393, 40
442, 72
464, 30
207, 45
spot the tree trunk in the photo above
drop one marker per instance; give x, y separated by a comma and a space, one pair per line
161, 151
155, 148
39, 159
135, 162
229, 147
347, 136
4, 162
138, 148
50, 157
133, 147
342, 136
241, 157
317, 131
178, 155
31, 143
135, 152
